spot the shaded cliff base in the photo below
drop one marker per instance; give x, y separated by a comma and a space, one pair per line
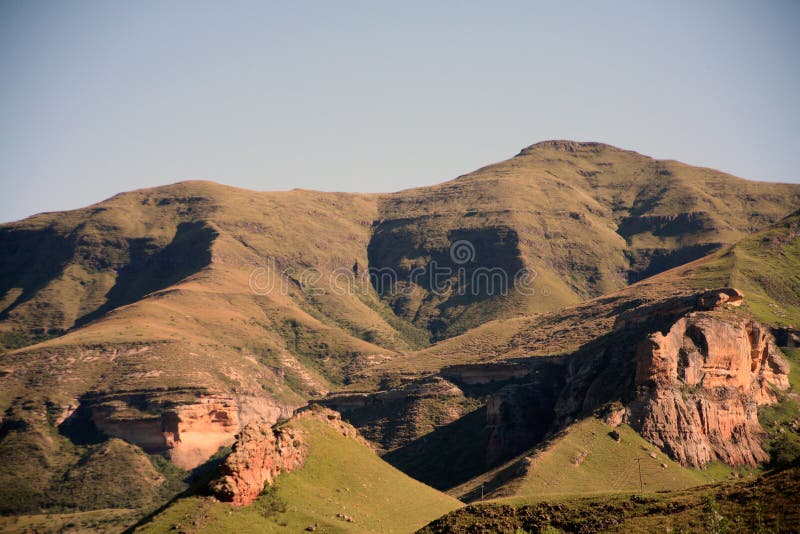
765, 504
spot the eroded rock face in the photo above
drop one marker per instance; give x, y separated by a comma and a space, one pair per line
262, 452
396, 417
188, 434
699, 386
485, 373
186, 426
194, 432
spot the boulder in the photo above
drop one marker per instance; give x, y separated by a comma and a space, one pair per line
726, 296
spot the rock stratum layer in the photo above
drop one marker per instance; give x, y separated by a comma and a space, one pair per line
699, 387
262, 452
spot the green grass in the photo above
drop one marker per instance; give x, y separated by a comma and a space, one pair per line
163, 273
793, 355
767, 503
340, 476
585, 460
104, 521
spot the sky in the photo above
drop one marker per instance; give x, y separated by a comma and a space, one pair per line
98, 97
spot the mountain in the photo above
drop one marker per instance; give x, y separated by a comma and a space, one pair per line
587, 218
441, 321
538, 373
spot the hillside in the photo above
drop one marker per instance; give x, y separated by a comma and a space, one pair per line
342, 487
587, 218
765, 504
586, 459
169, 318
765, 266
497, 363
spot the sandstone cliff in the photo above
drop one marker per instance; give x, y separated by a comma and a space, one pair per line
186, 425
698, 388
262, 452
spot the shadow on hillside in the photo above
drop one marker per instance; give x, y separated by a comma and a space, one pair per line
150, 269
31, 259
449, 455
482, 264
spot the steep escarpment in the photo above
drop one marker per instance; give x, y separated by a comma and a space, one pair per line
396, 417
187, 427
699, 387
693, 390
511, 429
702, 408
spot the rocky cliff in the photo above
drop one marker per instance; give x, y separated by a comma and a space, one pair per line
518, 415
699, 385
186, 425
262, 452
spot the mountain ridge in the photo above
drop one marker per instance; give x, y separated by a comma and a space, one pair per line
149, 304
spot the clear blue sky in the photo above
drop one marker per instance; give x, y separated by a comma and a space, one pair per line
104, 96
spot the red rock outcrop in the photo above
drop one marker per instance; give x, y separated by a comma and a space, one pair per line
262, 452
678, 306
188, 434
194, 432
185, 426
727, 296
699, 387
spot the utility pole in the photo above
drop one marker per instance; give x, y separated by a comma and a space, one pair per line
481, 491
641, 482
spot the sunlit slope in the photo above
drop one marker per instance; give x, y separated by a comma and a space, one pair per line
146, 301
765, 504
341, 477
586, 218
585, 459
765, 266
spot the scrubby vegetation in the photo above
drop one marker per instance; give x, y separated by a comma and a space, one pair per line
765, 504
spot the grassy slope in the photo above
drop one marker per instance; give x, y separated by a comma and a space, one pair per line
766, 266
587, 218
103, 521
340, 476
580, 215
765, 504
159, 280
585, 460
207, 332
